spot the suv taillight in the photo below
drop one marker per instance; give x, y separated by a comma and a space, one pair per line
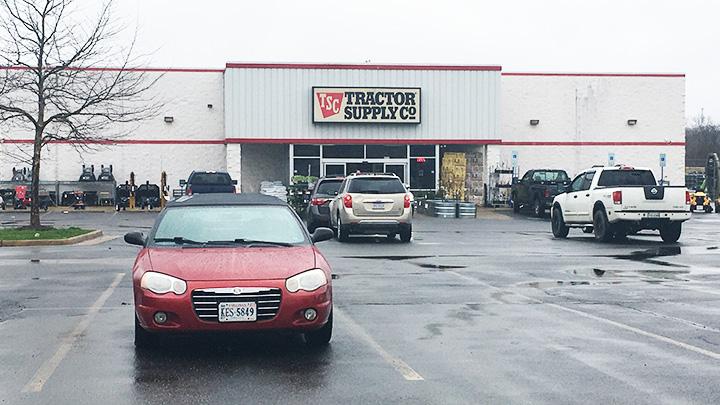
547, 192
617, 197
189, 191
687, 197
407, 200
347, 200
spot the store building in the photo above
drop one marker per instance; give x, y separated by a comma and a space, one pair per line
270, 122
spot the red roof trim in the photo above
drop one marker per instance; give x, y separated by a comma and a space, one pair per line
129, 142
91, 69
369, 141
596, 74
593, 143
354, 67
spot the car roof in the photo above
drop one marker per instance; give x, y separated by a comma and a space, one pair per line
215, 199
365, 175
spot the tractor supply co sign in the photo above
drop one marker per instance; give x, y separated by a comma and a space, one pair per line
366, 105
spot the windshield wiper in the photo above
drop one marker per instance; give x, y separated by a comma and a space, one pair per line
248, 242
178, 240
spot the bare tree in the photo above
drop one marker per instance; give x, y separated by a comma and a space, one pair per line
55, 79
701, 138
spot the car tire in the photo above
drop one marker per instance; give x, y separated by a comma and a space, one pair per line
311, 227
559, 229
538, 208
515, 204
322, 336
406, 234
601, 226
342, 231
707, 209
143, 339
670, 233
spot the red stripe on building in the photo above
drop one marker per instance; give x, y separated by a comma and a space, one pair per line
344, 141
597, 74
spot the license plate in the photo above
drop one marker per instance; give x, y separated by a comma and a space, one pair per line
378, 206
237, 312
653, 215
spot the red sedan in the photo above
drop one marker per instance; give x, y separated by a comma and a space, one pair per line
231, 262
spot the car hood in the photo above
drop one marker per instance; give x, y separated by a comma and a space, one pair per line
245, 263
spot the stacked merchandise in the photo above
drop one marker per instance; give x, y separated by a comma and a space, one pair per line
274, 188
453, 175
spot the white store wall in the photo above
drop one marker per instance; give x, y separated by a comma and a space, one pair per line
585, 117
193, 141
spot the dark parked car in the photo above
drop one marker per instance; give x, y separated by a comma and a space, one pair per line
318, 210
230, 263
209, 182
537, 188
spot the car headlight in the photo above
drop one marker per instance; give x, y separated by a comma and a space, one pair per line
162, 283
310, 280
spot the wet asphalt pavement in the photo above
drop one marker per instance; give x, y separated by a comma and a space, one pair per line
490, 310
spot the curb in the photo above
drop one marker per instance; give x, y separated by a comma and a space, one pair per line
52, 242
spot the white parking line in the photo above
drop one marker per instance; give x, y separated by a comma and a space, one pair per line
43, 374
400, 366
633, 329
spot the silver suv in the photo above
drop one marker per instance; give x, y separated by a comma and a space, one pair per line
376, 203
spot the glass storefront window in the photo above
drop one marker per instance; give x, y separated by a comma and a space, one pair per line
422, 173
383, 151
306, 167
422, 151
306, 150
343, 151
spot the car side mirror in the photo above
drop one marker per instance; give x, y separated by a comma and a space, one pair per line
182, 183
515, 180
322, 234
136, 238
568, 188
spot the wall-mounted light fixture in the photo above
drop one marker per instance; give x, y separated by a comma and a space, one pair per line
534, 122
632, 122
209, 105
168, 119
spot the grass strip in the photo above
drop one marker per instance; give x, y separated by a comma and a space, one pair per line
53, 233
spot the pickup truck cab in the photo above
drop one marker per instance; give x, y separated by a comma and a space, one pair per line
617, 201
202, 182
537, 188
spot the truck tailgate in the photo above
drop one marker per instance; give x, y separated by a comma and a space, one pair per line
652, 198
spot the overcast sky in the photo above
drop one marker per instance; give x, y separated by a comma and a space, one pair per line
567, 36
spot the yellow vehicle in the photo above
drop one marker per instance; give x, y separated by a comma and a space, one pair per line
700, 199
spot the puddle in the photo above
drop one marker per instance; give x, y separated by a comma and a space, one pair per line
439, 266
649, 255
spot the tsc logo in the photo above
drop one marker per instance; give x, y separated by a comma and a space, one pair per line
330, 103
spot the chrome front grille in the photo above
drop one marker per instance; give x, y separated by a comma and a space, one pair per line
206, 301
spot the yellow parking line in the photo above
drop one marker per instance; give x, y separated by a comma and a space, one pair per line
400, 366
633, 329
43, 374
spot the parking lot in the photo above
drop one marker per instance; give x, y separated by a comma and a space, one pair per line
486, 310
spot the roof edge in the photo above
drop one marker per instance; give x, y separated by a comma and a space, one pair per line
230, 65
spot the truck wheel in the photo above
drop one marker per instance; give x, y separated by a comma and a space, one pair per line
538, 208
516, 204
559, 229
602, 228
671, 232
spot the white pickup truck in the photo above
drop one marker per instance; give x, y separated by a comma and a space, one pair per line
617, 201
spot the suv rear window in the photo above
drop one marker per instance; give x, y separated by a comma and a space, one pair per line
328, 187
210, 179
613, 178
379, 185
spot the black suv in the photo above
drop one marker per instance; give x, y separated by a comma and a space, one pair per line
318, 211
